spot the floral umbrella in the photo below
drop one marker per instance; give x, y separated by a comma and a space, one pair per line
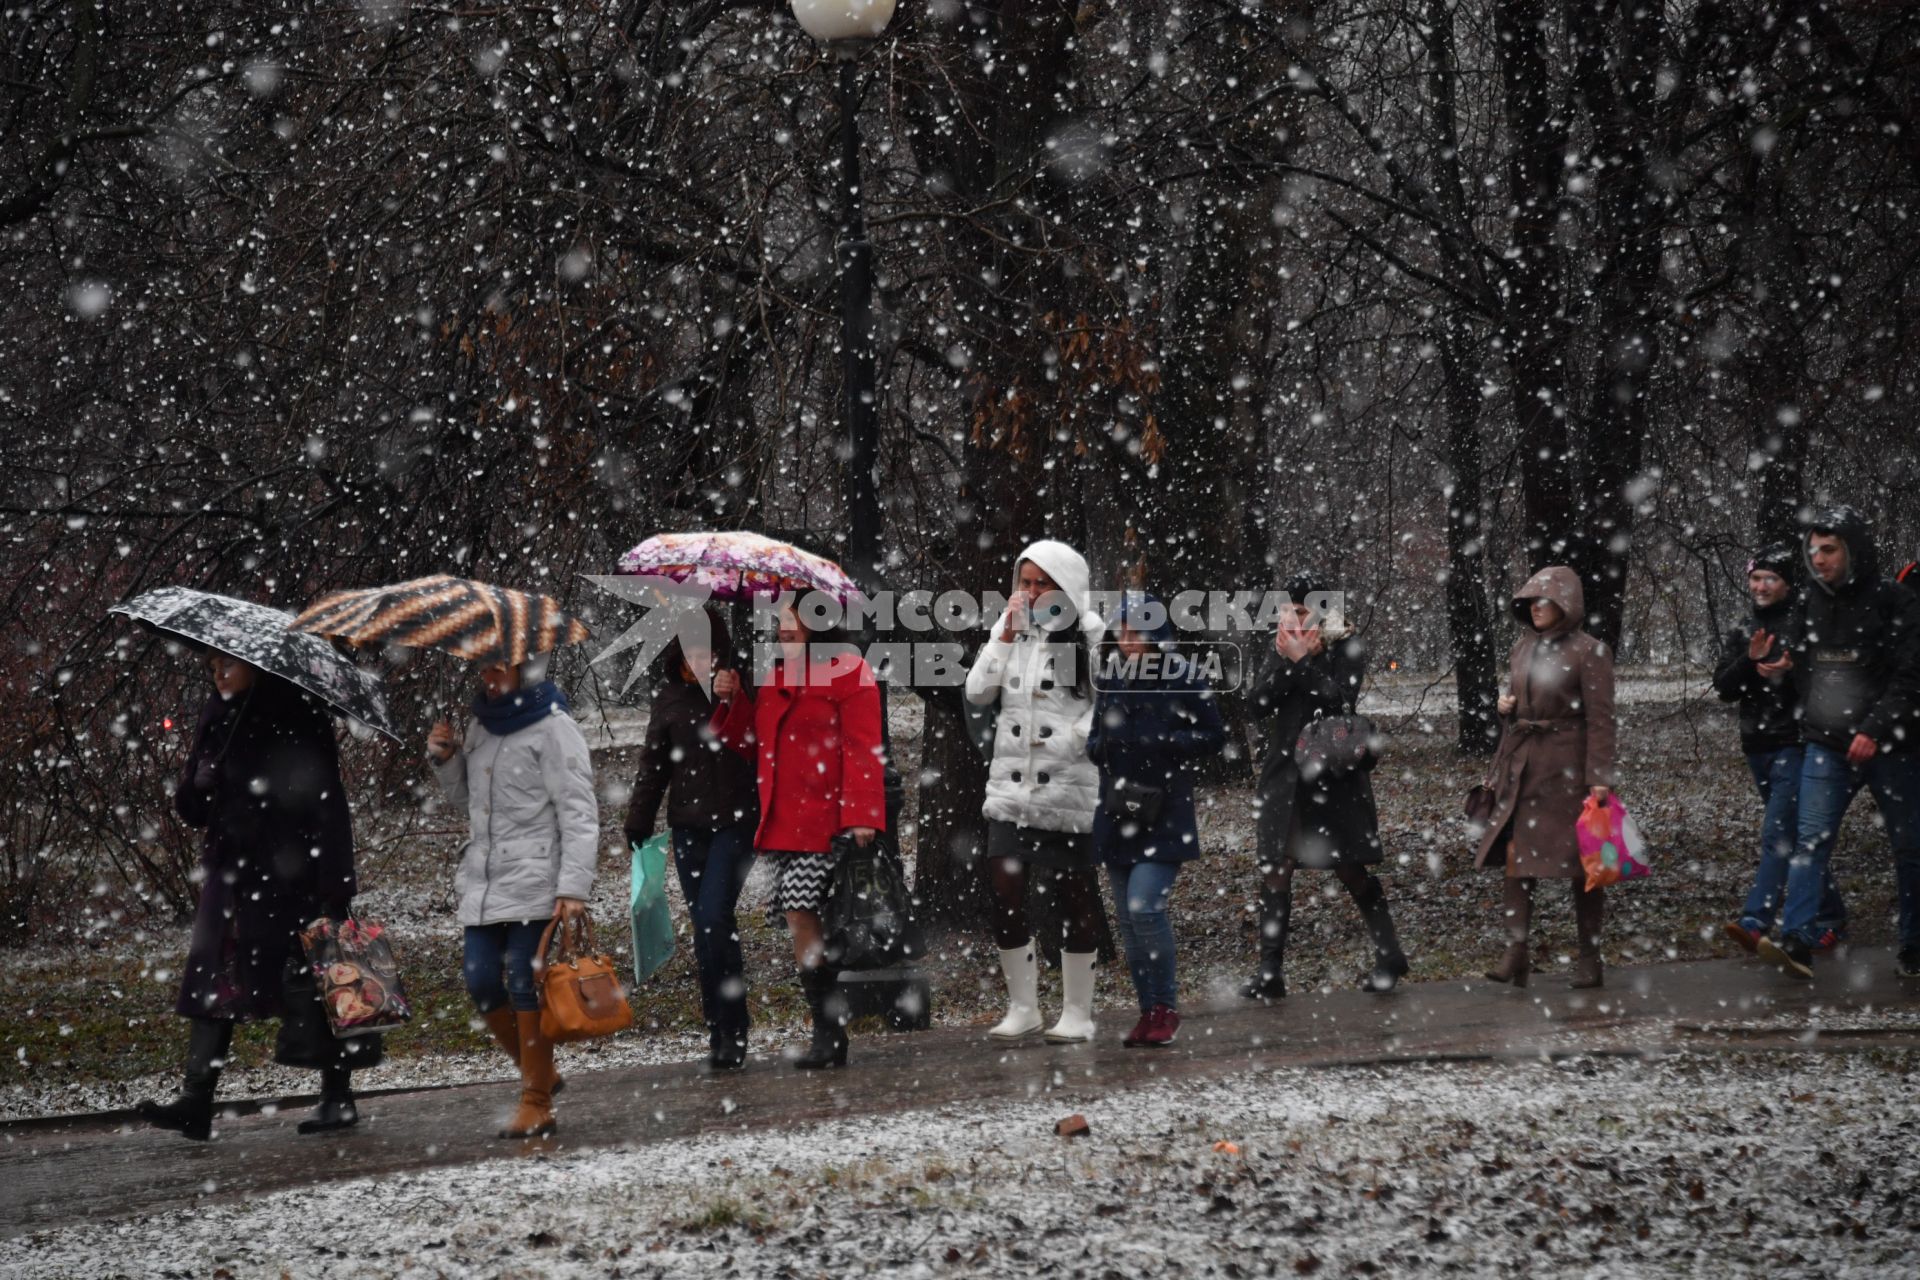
730, 565
721, 566
473, 620
258, 635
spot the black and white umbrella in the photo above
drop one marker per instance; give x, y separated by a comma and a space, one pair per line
259, 635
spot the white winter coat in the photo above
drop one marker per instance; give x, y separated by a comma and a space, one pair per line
1040, 776
534, 817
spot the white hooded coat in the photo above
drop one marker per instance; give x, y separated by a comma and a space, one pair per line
1040, 776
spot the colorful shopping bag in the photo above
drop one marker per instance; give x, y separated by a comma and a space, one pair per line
357, 975
1611, 847
652, 923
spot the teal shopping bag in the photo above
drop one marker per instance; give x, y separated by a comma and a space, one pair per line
652, 925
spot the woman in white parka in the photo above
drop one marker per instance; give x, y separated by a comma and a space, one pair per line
1042, 788
526, 778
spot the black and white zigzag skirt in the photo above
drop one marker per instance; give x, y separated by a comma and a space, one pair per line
800, 879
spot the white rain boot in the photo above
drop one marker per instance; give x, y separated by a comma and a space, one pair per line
1076, 1012
1023, 994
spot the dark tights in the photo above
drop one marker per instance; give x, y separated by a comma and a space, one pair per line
1079, 903
1355, 878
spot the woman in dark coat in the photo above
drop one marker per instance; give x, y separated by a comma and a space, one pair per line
1316, 669
712, 812
263, 779
1556, 750
1154, 717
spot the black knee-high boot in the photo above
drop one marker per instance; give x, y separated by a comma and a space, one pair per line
829, 1007
336, 1109
1589, 910
1276, 916
1389, 962
191, 1111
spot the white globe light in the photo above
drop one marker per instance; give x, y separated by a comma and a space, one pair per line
843, 19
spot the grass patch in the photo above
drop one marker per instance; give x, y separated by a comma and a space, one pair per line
724, 1213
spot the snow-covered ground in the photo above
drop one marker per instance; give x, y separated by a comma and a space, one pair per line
1715, 1166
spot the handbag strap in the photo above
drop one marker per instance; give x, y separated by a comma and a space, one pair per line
578, 933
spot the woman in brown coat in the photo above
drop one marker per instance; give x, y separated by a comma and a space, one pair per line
1556, 750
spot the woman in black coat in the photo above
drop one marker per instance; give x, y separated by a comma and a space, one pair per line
713, 809
1316, 669
263, 779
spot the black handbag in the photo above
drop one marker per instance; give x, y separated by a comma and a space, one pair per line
305, 1038
1134, 802
868, 916
1332, 747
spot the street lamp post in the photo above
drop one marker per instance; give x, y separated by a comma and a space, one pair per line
846, 27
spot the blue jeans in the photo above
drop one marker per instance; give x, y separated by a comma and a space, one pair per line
499, 965
1777, 775
1827, 786
713, 868
1140, 894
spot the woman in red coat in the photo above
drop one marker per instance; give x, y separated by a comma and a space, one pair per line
813, 731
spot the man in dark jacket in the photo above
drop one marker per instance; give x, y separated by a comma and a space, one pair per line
1755, 672
1856, 665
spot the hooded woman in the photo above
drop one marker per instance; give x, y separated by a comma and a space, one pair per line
526, 777
711, 813
263, 779
1042, 788
1154, 718
1330, 824
1555, 752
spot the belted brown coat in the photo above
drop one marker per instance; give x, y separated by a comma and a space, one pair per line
1557, 743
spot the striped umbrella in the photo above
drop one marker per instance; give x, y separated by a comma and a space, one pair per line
473, 620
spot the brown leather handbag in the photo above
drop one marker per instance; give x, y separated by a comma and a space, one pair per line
580, 996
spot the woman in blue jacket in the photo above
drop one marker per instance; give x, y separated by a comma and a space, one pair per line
1154, 719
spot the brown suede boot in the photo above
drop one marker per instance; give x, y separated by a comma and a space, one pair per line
506, 1030
505, 1026
1589, 909
1517, 905
533, 1118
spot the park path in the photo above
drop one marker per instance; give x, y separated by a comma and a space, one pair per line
101, 1167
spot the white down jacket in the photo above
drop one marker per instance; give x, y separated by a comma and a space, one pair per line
1040, 776
534, 817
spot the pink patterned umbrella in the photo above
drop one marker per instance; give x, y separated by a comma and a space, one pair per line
735, 564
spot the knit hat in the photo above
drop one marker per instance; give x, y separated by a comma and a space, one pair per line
1777, 558
1306, 583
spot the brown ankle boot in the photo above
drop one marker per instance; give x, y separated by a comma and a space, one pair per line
1589, 908
1516, 903
505, 1026
533, 1118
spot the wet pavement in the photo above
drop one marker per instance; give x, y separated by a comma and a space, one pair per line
58, 1172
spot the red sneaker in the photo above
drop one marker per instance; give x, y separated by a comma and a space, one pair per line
1164, 1023
1142, 1029
1749, 939
1828, 942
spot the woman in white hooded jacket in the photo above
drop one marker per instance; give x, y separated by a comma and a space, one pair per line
1042, 788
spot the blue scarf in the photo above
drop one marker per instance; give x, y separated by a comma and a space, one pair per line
521, 708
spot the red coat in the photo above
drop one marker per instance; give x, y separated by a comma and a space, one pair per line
818, 755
